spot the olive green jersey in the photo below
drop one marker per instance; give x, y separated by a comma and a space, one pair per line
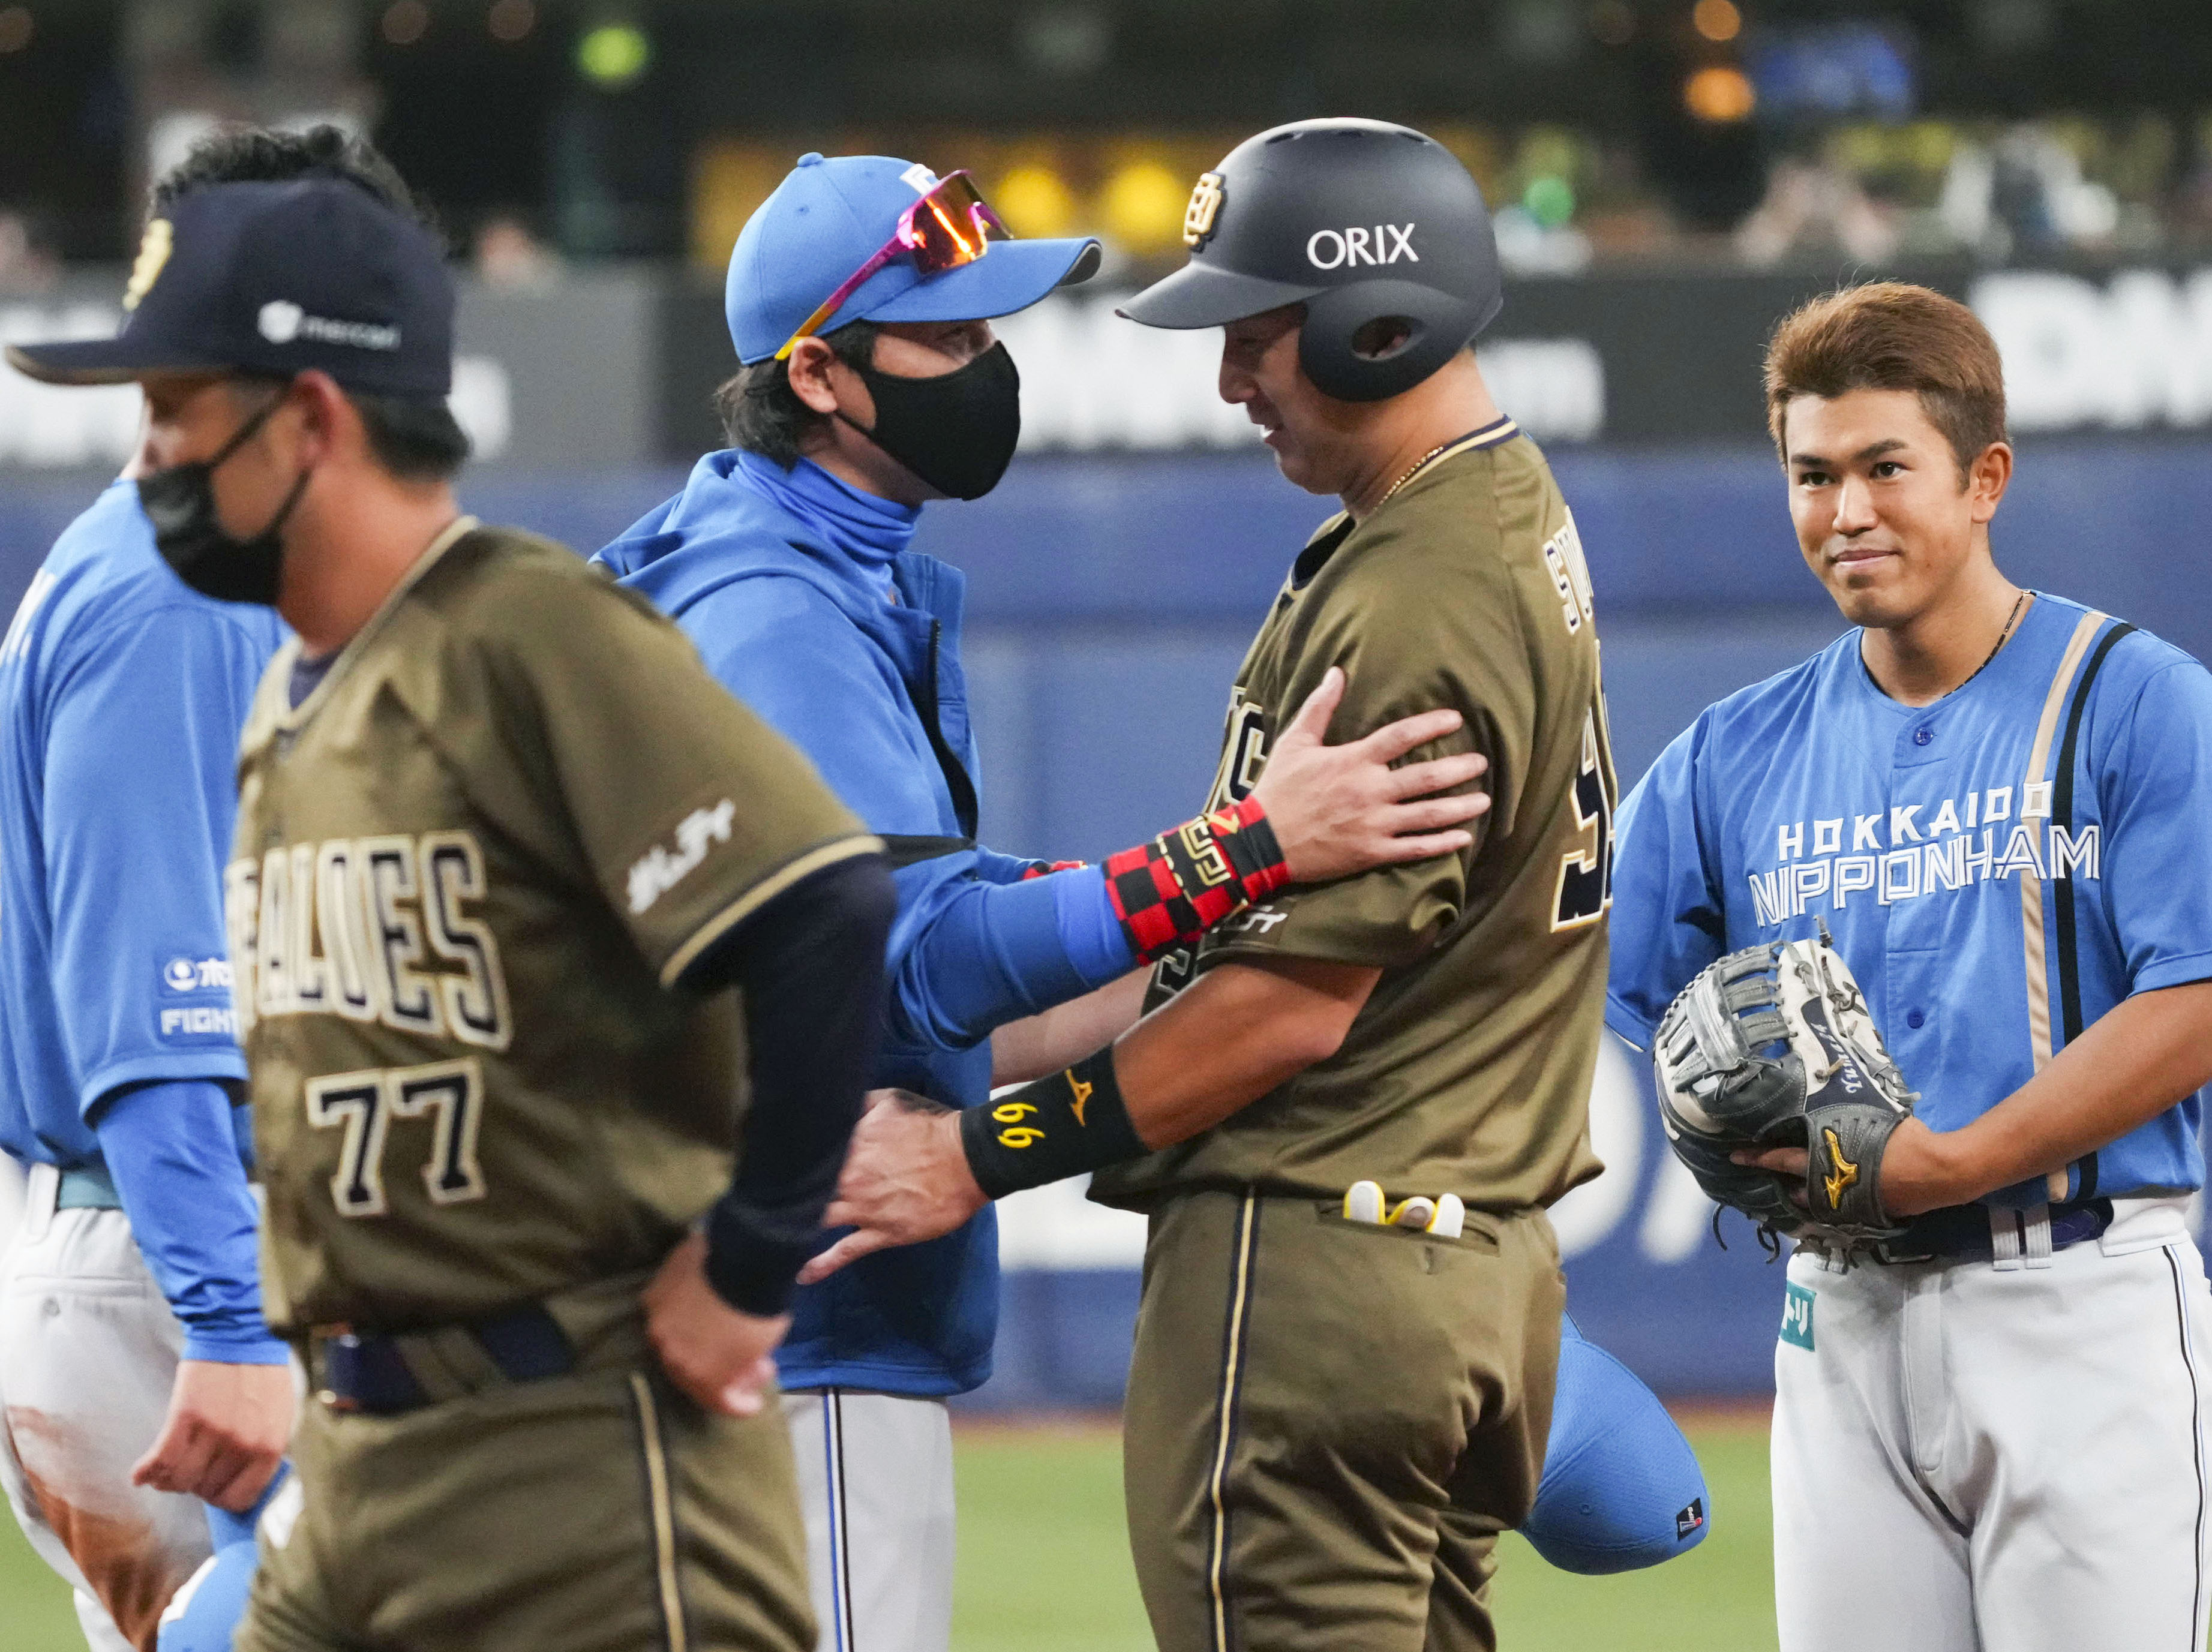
469, 867
1468, 1070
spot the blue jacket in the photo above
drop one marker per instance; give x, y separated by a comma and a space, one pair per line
801, 623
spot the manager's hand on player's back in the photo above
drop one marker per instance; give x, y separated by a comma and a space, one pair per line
226, 1432
722, 1358
1341, 809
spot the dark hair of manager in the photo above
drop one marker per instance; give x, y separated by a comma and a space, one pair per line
417, 441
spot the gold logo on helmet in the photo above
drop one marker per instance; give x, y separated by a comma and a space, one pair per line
1198, 216
1843, 1175
152, 252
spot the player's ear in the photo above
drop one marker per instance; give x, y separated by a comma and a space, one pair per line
1987, 478
327, 420
810, 366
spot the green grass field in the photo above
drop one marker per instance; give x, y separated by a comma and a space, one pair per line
1043, 1567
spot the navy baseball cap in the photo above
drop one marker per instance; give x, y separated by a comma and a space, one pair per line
830, 217
276, 278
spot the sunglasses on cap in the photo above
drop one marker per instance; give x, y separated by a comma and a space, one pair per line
950, 225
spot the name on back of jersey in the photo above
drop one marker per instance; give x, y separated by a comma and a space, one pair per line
370, 928
1916, 851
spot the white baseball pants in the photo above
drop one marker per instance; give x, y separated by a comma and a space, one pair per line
89, 1352
875, 1480
1997, 1457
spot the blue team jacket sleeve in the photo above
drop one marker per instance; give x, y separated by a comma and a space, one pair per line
967, 953
2155, 790
1668, 917
172, 1152
140, 799
995, 868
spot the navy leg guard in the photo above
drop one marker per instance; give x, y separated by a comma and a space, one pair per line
1621, 1489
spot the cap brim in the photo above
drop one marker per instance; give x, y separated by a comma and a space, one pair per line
1011, 277
1199, 295
102, 361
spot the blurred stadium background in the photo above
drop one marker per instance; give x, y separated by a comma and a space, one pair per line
1668, 176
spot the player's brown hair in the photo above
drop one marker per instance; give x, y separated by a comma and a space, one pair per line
1889, 335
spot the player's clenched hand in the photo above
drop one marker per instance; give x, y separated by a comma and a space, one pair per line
225, 1434
1341, 809
906, 1180
720, 1356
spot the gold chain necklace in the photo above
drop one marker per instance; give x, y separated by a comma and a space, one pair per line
1412, 473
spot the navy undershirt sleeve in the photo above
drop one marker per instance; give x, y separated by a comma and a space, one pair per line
811, 964
174, 1153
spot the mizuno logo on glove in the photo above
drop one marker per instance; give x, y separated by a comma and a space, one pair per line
1843, 1176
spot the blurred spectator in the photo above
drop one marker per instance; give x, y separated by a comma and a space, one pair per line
27, 265
1814, 207
509, 258
2040, 196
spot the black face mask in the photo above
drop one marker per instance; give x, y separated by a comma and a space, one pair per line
180, 502
957, 431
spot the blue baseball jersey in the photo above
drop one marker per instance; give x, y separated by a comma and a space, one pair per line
1999, 868
122, 694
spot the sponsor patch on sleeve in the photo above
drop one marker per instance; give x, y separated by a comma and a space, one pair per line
183, 976
184, 973
198, 1021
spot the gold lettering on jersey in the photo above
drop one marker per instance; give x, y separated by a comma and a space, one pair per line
660, 870
1570, 571
1244, 753
342, 918
307, 965
409, 1002
273, 976
476, 999
241, 912
370, 929
1585, 885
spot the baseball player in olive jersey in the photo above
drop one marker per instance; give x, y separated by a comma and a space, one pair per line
1349, 1105
501, 839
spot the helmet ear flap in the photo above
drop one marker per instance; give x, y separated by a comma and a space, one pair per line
1437, 327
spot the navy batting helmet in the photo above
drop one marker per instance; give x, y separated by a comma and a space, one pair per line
1362, 222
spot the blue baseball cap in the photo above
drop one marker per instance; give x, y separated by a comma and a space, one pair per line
830, 217
276, 278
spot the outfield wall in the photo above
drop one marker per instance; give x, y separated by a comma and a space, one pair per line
1110, 601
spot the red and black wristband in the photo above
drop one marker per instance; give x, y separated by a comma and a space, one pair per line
1171, 890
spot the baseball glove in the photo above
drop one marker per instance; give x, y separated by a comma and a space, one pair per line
1774, 1046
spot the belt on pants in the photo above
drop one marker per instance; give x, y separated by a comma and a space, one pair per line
1970, 1233
384, 1373
88, 1188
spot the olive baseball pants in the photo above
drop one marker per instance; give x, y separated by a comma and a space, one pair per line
1329, 1423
